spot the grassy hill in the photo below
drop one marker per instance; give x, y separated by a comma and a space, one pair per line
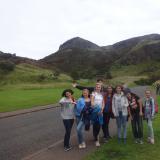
28, 73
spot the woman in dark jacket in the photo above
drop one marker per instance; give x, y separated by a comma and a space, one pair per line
107, 112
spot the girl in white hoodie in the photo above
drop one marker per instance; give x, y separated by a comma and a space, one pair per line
120, 111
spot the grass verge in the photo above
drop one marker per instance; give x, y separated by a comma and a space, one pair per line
15, 99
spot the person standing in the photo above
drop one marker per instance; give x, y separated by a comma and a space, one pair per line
97, 103
82, 112
149, 112
135, 114
107, 113
120, 111
67, 103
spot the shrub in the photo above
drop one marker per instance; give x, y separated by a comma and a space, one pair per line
144, 82
7, 66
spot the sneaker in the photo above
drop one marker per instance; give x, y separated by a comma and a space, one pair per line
67, 148
140, 142
152, 141
80, 146
83, 145
105, 140
97, 144
109, 137
136, 141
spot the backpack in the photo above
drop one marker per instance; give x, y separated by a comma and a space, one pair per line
155, 105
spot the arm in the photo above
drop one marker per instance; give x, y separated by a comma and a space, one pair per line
126, 104
153, 107
129, 111
140, 106
113, 106
92, 100
103, 104
91, 89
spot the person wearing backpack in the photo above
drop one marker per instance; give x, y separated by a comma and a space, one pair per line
149, 112
120, 110
135, 114
107, 113
67, 104
83, 111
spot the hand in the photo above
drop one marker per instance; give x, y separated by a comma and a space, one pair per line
74, 85
74, 103
100, 113
141, 114
131, 118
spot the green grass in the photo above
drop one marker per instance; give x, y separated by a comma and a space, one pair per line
142, 69
28, 95
130, 151
11, 100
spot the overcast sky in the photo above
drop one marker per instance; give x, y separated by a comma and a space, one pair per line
36, 28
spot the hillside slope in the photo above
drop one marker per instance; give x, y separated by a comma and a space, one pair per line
88, 63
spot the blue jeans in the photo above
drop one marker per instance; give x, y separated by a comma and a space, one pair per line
150, 128
80, 130
121, 122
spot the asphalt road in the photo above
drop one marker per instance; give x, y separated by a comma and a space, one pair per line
25, 134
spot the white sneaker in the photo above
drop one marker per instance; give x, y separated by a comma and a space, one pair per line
152, 141
83, 145
80, 146
97, 144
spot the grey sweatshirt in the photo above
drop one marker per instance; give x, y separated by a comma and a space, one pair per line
67, 108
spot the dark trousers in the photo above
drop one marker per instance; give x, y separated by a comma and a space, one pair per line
68, 123
96, 130
137, 126
105, 126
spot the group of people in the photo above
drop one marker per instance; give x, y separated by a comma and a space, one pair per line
98, 105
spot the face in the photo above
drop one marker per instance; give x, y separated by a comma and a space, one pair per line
98, 87
118, 89
109, 89
129, 95
148, 94
68, 94
85, 93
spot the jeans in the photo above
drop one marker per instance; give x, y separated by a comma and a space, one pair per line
80, 130
68, 123
105, 126
137, 126
121, 122
150, 128
96, 130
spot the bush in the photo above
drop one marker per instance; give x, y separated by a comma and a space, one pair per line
7, 66
144, 82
